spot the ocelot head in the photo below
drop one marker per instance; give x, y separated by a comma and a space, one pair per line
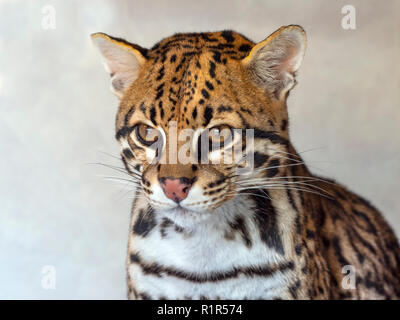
202, 116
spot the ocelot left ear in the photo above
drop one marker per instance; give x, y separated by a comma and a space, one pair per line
274, 61
123, 61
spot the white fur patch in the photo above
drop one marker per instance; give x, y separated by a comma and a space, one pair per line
202, 249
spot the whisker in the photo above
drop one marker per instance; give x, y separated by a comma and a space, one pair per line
123, 179
280, 166
147, 212
278, 179
266, 182
281, 187
116, 168
287, 158
312, 149
119, 169
110, 155
248, 193
128, 192
305, 177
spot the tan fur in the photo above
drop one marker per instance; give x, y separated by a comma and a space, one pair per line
325, 230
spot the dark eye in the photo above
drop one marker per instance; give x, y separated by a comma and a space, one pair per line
220, 136
146, 135
213, 139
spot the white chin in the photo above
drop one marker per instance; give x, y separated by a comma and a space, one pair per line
185, 218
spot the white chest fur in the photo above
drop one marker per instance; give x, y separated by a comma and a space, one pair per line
208, 260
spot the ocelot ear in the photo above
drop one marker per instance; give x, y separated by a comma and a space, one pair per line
122, 60
274, 61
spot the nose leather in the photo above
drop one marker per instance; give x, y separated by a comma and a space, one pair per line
175, 188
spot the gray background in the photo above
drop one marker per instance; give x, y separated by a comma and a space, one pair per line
57, 116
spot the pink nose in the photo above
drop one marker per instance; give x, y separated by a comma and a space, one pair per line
175, 189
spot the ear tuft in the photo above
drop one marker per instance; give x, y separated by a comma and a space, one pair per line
122, 61
274, 61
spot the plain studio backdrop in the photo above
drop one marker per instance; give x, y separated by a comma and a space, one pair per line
57, 120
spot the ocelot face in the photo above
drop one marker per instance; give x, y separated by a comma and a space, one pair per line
202, 113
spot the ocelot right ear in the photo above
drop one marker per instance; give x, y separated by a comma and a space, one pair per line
273, 62
123, 61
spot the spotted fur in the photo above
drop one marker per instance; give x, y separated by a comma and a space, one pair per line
278, 233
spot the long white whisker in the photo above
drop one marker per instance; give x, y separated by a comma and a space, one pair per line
283, 183
279, 187
137, 183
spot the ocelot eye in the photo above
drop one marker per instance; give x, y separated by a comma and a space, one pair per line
220, 136
146, 135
